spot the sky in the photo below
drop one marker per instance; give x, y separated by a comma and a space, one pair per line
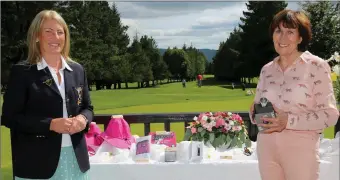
202, 24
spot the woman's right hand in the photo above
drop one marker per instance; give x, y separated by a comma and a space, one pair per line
61, 125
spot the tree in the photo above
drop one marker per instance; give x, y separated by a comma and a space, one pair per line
97, 37
226, 60
325, 21
256, 43
16, 17
178, 62
197, 62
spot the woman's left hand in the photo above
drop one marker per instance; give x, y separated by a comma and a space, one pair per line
276, 124
78, 124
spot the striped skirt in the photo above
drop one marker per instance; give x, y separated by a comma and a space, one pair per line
68, 168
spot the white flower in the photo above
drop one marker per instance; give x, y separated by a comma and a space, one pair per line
227, 126
331, 58
213, 123
336, 69
205, 118
195, 118
210, 113
229, 113
336, 57
208, 126
231, 123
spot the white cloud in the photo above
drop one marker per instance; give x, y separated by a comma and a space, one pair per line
204, 24
293, 5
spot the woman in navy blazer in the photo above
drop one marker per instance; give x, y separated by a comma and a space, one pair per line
47, 106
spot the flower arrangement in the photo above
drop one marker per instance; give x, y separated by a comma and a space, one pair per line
219, 129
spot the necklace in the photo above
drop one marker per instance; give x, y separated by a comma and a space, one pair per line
284, 67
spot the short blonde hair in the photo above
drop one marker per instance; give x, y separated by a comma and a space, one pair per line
34, 54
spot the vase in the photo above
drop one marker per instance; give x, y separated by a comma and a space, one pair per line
224, 147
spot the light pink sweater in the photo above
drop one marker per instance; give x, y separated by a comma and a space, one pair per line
304, 91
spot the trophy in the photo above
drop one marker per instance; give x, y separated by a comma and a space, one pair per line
263, 109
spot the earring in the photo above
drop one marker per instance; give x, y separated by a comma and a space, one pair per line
37, 40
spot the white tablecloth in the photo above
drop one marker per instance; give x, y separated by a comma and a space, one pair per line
223, 170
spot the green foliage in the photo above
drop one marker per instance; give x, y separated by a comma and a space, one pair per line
256, 44
249, 46
226, 62
15, 20
184, 63
325, 20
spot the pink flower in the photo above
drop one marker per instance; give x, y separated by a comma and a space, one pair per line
193, 130
203, 122
220, 122
208, 126
204, 116
218, 114
237, 128
236, 117
200, 117
224, 130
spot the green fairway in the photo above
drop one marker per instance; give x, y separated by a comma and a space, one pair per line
165, 98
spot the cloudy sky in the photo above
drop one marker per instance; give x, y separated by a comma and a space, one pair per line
202, 24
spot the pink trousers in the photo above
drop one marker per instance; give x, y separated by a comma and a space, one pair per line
288, 155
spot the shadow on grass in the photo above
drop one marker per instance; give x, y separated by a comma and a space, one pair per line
210, 81
93, 87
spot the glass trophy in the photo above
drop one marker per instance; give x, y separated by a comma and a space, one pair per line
263, 109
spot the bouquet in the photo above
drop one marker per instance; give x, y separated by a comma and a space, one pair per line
218, 129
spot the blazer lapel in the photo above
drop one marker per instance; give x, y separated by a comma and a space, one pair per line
48, 81
69, 83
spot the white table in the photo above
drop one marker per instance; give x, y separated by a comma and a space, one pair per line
223, 170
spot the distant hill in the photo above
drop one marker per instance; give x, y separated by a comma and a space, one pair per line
209, 53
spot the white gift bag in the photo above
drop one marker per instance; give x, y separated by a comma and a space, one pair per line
107, 153
142, 149
183, 151
197, 151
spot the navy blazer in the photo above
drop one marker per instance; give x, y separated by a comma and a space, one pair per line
31, 101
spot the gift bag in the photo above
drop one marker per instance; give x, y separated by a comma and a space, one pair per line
93, 138
143, 149
163, 137
118, 133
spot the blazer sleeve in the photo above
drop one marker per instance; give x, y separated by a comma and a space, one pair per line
87, 108
13, 109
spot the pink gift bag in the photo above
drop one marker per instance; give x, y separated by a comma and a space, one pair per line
163, 137
93, 138
118, 133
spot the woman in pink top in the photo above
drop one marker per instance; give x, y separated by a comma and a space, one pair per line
299, 85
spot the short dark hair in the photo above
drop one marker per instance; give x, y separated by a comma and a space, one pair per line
293, 19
